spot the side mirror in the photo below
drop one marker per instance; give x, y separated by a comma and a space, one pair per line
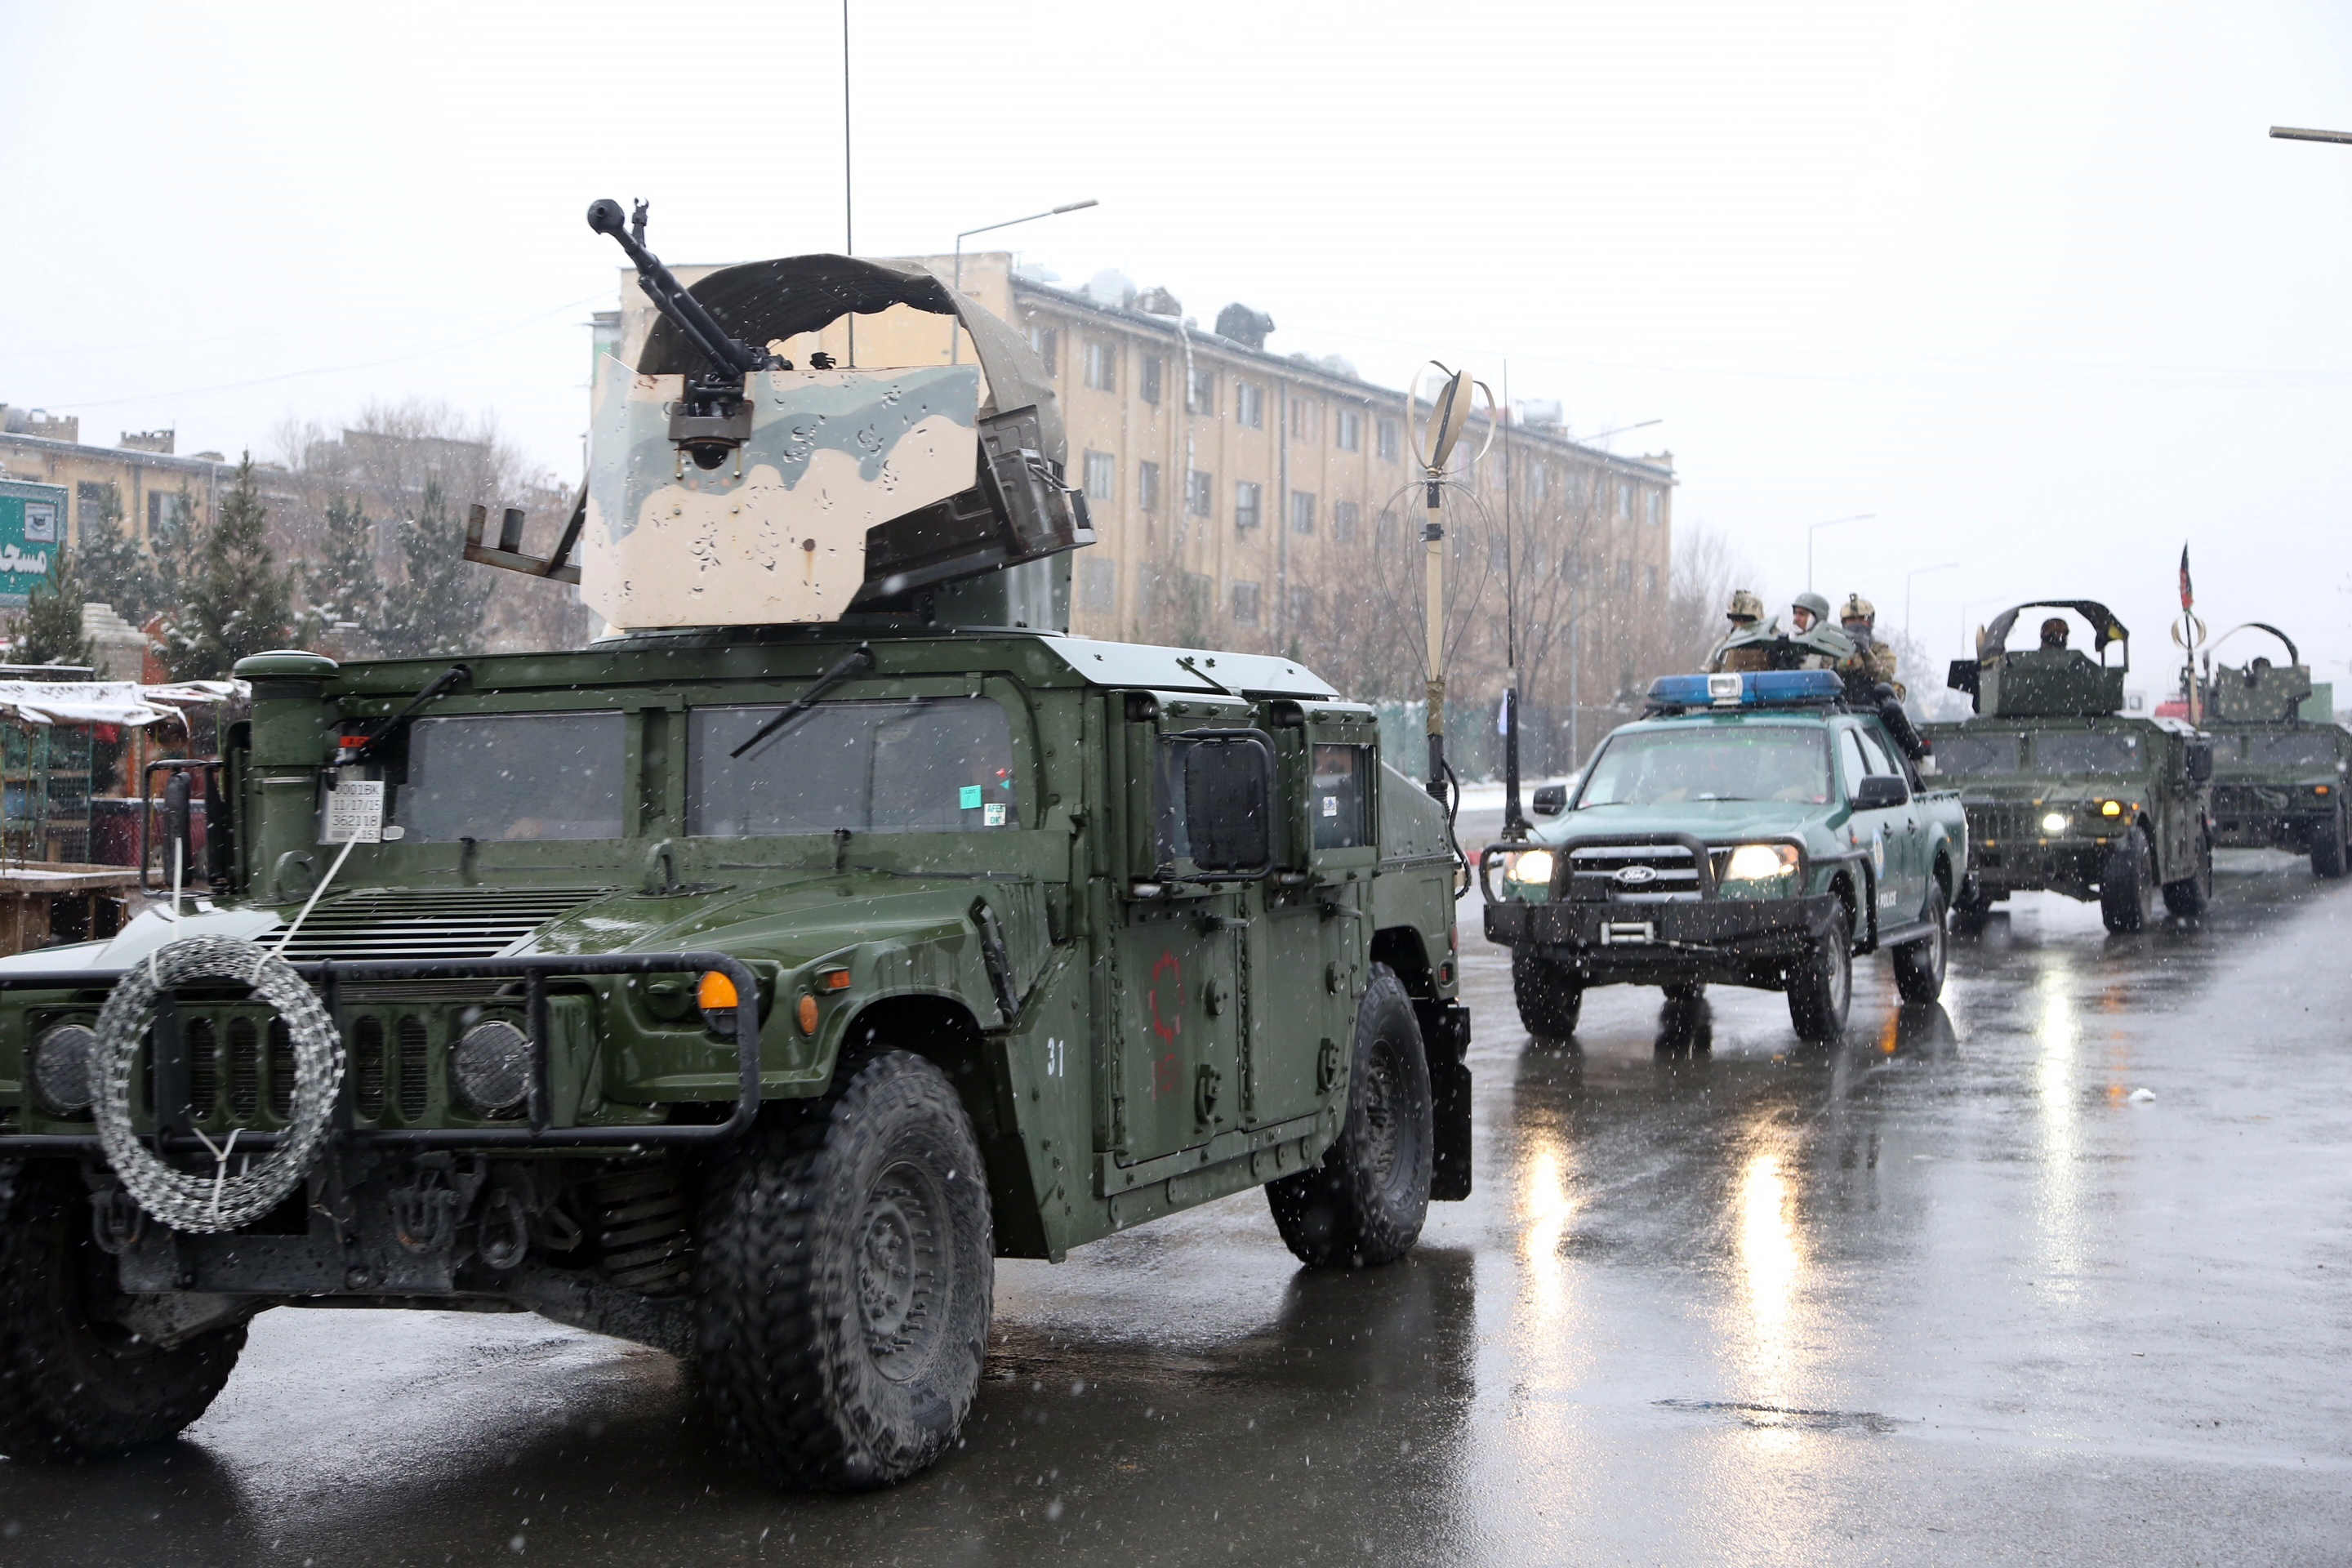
1229, 803
2201, 760
1550, 800
1877, 792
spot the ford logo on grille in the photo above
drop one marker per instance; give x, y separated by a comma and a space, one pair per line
1635, 876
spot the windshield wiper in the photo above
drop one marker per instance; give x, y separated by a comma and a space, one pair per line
858, 659
457, 675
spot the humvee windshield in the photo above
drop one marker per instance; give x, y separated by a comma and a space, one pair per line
928, 765
494, 776
2085, 752
1965, 754
2291, 751
1658, 767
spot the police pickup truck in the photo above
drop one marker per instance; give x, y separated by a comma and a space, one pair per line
1751, 829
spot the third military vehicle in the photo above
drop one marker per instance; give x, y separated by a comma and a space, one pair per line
2065, 790
2279, 770
742, 985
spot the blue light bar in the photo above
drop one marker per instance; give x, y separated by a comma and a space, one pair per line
1758, 689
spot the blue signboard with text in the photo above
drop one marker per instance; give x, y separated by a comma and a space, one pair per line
32, 531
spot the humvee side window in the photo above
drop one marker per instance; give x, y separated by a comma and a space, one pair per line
1980, 754
1214, 802
2085, 752
1337, 798
2291, 751
497, 776
927, 765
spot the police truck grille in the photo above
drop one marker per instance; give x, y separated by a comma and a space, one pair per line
393, 924
1632, 874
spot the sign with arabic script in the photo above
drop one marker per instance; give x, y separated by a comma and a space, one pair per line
32, 528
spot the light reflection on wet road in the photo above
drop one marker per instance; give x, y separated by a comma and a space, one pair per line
1947, 1293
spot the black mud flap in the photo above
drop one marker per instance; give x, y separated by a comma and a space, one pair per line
1445, 1040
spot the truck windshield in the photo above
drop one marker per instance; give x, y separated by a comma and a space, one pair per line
2085, 752
2310, 750
929, 766
1964, 754
1661, 767
495, 776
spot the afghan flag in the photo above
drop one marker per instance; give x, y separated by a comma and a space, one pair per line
2188, 595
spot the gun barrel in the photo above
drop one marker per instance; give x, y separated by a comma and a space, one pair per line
2298, 133
725, 352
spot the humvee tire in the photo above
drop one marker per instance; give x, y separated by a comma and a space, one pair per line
1820, 989
1919, 965
2127, 888
1548, 1000
2327, 847
73, 1386
844, 1269
2191, 894
1362, 1204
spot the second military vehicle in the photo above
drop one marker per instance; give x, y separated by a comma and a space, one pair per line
1752, 829
2067, 792
2279, 771
738, 987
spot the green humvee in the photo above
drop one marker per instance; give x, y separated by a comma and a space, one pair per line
2279, 767
2064, 792
1750, 829
741, 989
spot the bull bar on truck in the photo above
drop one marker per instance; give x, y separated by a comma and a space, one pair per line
174, 1130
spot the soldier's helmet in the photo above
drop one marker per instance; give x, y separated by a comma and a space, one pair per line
2054, 632
1858, 608
1812, 605
1745, 606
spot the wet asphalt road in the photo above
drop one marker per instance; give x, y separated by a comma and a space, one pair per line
1947, 1293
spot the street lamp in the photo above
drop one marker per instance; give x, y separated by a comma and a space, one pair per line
1816, 528
1922, 572
955, 338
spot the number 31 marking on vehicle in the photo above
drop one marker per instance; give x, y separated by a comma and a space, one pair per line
1057, 1058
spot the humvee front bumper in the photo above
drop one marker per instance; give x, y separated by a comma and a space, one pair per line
2075, 867
2265, 816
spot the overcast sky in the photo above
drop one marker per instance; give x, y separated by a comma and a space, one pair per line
2026, 281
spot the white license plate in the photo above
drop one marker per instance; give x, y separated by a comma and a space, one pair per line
1627, 933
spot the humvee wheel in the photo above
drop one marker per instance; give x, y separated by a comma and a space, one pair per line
1971, 910
2188, 898
1548, 999
73, 1386
2328, 858
844, 1269
1919, 965
2127, 888
1820, 989
1362, 1204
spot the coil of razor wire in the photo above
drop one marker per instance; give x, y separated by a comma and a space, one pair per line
204, 1202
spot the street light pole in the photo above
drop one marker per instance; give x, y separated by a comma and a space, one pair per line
955, 335
1816, 528
1907, 577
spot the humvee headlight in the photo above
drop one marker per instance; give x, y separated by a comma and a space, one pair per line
1529, 868
1760, 862
61, 1069
490, 1067
2054, 822
2111, 808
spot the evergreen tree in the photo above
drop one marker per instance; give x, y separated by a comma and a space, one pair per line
440, 609
176, 542
232, 599
48, 629
345, 586
114, 570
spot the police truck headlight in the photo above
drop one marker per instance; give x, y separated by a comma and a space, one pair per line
2054, 822
490, 1067
1529, 868
1760, 862
64, 1068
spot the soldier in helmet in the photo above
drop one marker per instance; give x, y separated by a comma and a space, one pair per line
1823, 645
1746, 630
1872, 660
2053, 653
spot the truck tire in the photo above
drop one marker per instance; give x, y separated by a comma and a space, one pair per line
73, 1386
2328, 846
1919, 965
844, 1270
1820, 989
2127, 886
1971, 909
1550, 999
1362, 1204
2193, 894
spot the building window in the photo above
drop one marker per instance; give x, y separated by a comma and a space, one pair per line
1385, 536
1247, 504
1625, 499
1344, 514
1097, 585
1302, 420
1249, 405
1349, 430
1391, 446
1047, 342
1102, 476
1651, 572
165, 515
1624, 577
1147, 487
1302, 512
1200, 393
1302, 610
1200, 493
1102, 366
1654, 501
1539, 483
1149, 388
1244, 604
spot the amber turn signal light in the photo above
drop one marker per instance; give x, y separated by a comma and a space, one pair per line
715, 991
808, 1014
833, 979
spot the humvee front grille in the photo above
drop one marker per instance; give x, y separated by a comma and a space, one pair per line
389, 925
1632, 874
